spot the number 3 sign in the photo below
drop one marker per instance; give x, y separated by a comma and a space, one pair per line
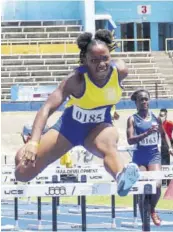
144, 9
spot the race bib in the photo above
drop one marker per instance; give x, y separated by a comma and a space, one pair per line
150, 140
88, 116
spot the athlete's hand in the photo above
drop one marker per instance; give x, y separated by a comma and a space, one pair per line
30, 151
153, 129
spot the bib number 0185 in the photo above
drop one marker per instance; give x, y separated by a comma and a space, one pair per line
88, 116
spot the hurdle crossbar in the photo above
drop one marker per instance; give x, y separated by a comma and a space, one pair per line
91, 174
72, 189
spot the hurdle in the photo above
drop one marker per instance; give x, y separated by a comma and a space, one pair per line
71, 189
8, 176
166, 173
49, 176
92, 173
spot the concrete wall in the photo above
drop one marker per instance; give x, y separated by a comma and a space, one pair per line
121, 11
124, 104
42, 10
126, 11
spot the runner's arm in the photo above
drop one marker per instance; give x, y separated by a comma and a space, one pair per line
131, 138
52, 103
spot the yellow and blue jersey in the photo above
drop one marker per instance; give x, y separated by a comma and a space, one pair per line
95, 96
93, 107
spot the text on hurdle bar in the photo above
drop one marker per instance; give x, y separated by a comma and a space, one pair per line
85, 169
8, 175
73, 189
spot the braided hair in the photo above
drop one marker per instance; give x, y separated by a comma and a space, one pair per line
85, 41
134, 96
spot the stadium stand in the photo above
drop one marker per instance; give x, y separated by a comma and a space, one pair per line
33, 37
164, 61
50, 65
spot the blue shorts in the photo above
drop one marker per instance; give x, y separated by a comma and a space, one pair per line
146, 157
75, 125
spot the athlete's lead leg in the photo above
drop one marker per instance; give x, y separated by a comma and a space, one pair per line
102, 142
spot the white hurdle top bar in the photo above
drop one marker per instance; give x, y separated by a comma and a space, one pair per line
92, 174
73, 189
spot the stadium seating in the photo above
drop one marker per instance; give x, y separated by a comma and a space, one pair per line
34, 37
45, 68
51, 69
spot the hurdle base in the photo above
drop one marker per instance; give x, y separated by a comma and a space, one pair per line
68, 227
113, 225
102, 210
9, 228
25, 213
136, 224
11, 202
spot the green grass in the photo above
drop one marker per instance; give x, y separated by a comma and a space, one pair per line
106, 200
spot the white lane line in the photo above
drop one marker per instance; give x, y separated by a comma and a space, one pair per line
33, 219
76, 215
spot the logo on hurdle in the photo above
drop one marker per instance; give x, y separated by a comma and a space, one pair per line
170, 175
76, 226
13, 192
6, 172
56, 191
95, 177
167, 168
134, 189
42, 178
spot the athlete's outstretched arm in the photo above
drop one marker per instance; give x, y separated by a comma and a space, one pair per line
52, 103
28, 154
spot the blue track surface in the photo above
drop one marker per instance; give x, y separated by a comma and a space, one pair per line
65, 218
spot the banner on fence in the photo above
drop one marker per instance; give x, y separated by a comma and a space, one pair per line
31, 93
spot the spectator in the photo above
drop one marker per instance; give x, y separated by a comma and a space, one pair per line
168, 127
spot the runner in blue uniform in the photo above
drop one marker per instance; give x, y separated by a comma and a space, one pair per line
144, 130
